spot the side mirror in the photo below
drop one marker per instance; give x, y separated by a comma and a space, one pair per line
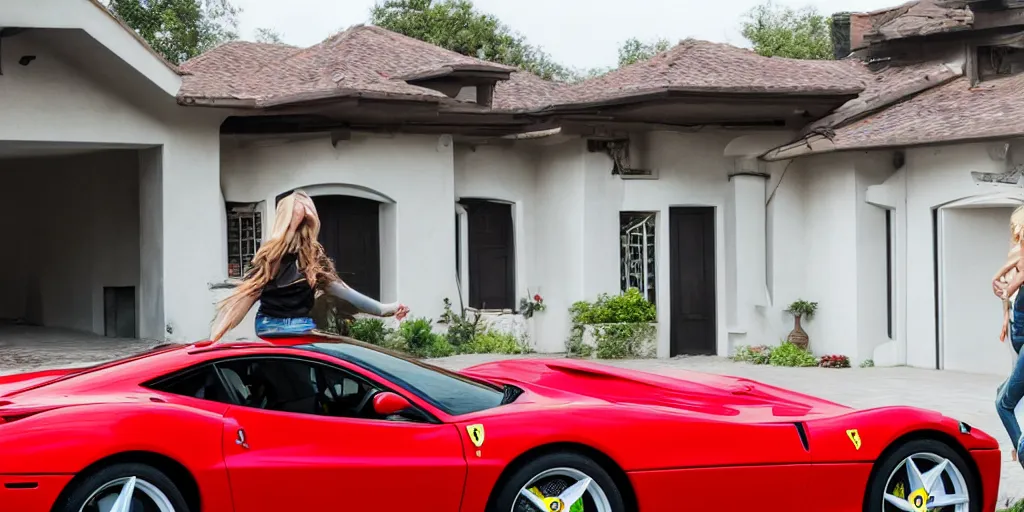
387, 403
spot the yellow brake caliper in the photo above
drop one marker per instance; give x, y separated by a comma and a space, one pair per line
555, 504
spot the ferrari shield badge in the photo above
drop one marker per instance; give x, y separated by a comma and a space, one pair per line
476, 434
854, 437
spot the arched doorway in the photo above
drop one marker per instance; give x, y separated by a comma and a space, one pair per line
350, 233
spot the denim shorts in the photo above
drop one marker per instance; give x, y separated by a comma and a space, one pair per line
268, 326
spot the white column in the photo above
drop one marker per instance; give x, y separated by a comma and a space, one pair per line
747, 204
194, 245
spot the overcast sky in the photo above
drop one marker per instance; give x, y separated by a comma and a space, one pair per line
578, 33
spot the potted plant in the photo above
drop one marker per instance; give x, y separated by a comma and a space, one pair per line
800, 309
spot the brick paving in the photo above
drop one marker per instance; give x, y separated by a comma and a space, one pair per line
968, 397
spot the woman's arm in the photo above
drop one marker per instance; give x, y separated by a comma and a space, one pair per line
1011, 261
364, 303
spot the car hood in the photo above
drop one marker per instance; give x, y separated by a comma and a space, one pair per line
687, 391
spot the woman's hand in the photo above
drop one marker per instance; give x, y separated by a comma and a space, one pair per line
999, 288
403, 310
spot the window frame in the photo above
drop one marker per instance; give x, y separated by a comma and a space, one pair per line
428, 417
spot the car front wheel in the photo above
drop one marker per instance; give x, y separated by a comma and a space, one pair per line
559, 482
923, 475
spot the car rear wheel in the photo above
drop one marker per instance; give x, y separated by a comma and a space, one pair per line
125, 488
559, 482
924, 475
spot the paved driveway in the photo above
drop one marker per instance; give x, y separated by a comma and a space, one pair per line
967, 397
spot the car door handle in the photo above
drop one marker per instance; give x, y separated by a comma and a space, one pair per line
240, 439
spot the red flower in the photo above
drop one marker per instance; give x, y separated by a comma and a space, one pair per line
537, 298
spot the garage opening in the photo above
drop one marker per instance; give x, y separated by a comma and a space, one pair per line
74, 267
972, 244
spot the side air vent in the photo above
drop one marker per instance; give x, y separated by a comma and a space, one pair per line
803, 436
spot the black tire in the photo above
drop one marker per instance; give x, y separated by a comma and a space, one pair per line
876, 488
508, 488
74, 499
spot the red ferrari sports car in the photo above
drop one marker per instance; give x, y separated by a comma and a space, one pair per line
304, 424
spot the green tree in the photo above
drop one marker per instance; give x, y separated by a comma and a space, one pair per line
459, 27
635, 50
267, 35
180, 29
777, 31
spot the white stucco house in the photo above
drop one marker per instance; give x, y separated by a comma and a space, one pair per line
723, 184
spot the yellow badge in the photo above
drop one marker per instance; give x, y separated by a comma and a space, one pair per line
854, 437
476, 434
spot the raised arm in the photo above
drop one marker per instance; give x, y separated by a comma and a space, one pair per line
364, 303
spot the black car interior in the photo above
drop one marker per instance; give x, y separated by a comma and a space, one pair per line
284, 385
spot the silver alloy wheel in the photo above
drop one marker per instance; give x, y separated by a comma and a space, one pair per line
120, 494
940, 486
566, 486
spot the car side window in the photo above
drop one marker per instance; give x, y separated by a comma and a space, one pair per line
201, 382
298, 386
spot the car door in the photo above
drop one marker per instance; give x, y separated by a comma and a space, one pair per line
283, 452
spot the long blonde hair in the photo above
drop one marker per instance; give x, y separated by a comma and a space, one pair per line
289, 236
1017, 225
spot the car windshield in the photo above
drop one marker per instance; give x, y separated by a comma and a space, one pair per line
452, 393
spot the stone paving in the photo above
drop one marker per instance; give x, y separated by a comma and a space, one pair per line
968, 397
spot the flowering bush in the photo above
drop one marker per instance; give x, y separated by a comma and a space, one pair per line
834, 361
531, 305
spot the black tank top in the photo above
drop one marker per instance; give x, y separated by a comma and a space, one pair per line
289, 294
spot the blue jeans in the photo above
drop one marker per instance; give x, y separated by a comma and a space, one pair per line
1011, 391
272, 327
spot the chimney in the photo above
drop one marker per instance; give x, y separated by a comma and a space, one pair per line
841, 35
860, 24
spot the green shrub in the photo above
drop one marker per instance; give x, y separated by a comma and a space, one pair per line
802, 308
369, 330
421, 340
630, 307
867, 363
461, 331
1012, 506
495, 342
760, 354
788, 354
574, 345
625, 341
622, 326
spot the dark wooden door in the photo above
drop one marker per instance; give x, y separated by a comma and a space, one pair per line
491, 255
350, 234
692, 276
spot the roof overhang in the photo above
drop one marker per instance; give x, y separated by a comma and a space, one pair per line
93, 18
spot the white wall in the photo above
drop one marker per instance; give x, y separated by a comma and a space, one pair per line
974, 242
940, 178
827, 245
84, 95
75, 220
559, 240
415, 172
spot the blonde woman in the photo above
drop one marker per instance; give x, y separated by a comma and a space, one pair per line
1006, 285
288, 272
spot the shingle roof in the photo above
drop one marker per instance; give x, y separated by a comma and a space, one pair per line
526, 91
951, 112
701, 66
360, 60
